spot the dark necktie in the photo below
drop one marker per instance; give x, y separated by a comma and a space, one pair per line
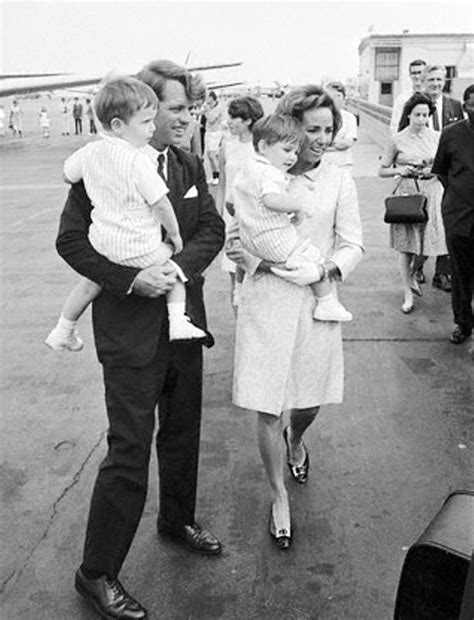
161, 166
435, 119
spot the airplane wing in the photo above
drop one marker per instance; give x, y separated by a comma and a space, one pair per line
15, 84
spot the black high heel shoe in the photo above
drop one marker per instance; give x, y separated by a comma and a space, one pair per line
281, 537
299, 472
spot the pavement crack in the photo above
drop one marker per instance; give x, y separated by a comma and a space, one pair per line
16, 574
6, 581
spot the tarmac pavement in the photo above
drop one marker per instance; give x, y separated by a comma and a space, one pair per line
381, 464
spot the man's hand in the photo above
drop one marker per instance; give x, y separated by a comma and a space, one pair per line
306, 273
155, 281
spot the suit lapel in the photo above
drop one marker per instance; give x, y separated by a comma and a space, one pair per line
175, 179
447, 111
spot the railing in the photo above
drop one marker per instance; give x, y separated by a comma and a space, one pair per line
381, 113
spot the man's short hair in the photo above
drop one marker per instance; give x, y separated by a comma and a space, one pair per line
246, 108
468, 92
122, 97
431, 68
278, 128
338, 87
158, 72
418, 62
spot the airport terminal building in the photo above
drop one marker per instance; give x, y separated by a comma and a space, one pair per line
384, 60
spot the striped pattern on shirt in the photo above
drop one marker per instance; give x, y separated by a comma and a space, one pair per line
264, 233
122, 183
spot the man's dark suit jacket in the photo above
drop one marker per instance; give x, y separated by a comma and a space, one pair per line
452, 111
127, 327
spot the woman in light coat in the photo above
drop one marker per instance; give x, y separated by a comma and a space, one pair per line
284, 360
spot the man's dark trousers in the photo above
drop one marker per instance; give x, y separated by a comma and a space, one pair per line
461, 250
120, 490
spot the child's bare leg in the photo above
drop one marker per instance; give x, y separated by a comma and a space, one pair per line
321, 288
181, 327
64, 336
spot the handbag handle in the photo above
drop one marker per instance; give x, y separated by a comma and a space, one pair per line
400, 181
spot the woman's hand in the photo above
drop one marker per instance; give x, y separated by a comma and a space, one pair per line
332, 271
406, 171
306, 273
425, 173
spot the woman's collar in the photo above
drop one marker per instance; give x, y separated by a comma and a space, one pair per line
310, 173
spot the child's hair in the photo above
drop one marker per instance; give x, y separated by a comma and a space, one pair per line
278, 128
122, 97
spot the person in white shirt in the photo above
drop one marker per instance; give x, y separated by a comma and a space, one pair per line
262, 206
339, 152
416, 69
213, 136
130, 204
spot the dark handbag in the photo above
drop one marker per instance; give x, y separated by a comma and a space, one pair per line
406, 209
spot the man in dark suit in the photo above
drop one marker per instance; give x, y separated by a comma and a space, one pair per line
447, 111
454, 164
141, 368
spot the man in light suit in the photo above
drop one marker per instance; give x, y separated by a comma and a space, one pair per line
141, 368
448, 111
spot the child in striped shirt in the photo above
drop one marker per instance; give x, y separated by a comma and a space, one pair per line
130, 204
263, 209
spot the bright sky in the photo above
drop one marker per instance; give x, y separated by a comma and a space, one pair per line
291, 42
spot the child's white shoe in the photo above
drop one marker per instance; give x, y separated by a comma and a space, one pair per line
59, 340
181, 328
330, 309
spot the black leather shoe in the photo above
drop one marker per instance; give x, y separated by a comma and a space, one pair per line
299, 472
419, 276
194, 538
442, 281
109, 598
416, 288
281, 537
459, 335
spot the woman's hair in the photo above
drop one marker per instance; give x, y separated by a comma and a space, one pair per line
416, 99
246, 108
278, 128
213, 96
309, 97
158, 72
122, 97
468, 92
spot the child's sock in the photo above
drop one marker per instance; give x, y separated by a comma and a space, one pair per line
176, 309
65, 326
181, 327
64, 336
